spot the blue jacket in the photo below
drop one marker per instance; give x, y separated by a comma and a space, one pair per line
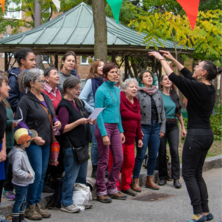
14, 93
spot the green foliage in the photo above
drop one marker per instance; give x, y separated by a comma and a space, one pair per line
216, 120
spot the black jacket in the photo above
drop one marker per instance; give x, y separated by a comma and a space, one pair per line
35, 116
78, 136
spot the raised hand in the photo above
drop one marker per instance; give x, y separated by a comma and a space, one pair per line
166, 54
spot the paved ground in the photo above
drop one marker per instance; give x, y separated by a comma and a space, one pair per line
174, 209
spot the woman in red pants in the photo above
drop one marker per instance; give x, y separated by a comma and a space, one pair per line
130, 115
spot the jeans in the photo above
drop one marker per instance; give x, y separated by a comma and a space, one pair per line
172, 135
39, 159
20, 198
196, 146
152, 140
94, 148
117, 153
72, 171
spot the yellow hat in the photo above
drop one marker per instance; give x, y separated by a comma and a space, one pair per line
23, 135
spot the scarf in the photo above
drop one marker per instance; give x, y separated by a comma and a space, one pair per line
96, 82
149, 91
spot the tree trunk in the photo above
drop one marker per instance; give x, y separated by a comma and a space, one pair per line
220, 89
99, 17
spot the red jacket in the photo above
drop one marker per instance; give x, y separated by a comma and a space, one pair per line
130, 115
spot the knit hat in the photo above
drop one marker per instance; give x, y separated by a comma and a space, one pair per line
23, 135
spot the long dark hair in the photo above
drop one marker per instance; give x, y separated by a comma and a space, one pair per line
70, 83
174, 96
212, 70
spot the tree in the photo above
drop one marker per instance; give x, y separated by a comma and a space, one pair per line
99, 17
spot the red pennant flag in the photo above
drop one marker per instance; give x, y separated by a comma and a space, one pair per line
2, 2
191, 9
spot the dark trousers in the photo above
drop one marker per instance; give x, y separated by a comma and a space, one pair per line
195, 149
172, 136
8, 186
1, 188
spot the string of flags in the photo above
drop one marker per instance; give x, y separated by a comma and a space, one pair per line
189, 6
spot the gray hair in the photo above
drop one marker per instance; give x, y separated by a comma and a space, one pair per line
128, 81
24, 78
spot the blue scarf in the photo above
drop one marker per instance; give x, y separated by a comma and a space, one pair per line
96, 82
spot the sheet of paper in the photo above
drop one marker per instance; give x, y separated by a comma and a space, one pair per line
18, 120
95, 113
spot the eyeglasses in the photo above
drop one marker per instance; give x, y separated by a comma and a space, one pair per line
42, 81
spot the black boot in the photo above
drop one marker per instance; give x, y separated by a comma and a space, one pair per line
21, 218
94, 170
15, 219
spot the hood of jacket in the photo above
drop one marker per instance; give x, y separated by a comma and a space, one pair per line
135, 107
14, 71
13, 152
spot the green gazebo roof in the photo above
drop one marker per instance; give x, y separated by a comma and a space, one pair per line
74, 30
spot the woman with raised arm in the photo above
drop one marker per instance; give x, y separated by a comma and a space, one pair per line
199, 91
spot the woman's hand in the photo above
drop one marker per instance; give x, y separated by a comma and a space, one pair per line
122, 138
167, 54
84, 121
157, 55
2, 156
93, 122
140, 143
39, 141
106, 141
57, 125
161, 134
184, 132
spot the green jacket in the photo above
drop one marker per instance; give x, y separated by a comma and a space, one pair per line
9, 130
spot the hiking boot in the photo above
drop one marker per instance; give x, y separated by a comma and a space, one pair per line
104, 199
8, 195
177, 184
129, 192
118, 196
31, 213
70, 209
150, 184
135, 185
43, 213
162, 182
94, 170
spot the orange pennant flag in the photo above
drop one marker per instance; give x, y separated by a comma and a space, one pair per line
191, 9
2, 2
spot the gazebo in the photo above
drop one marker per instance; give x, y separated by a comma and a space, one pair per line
74, 30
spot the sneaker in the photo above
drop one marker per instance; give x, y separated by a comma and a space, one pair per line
130, 192
70, 209
8, 195
2, 219
31, 213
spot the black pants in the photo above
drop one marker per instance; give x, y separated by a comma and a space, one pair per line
195, 149
8, 186
172, 135
1, 188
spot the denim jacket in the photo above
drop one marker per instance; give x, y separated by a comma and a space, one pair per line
87, 96
145, 105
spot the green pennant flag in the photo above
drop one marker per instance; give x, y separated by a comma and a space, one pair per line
115, 6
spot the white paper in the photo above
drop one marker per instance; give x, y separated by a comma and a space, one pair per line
95, 113
18, 120
57, 4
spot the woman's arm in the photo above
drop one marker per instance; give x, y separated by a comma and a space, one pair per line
180, 118
84, 95
63, 116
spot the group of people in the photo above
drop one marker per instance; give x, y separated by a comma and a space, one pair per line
52, 118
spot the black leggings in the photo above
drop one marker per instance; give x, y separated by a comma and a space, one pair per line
172, 135
195, 149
